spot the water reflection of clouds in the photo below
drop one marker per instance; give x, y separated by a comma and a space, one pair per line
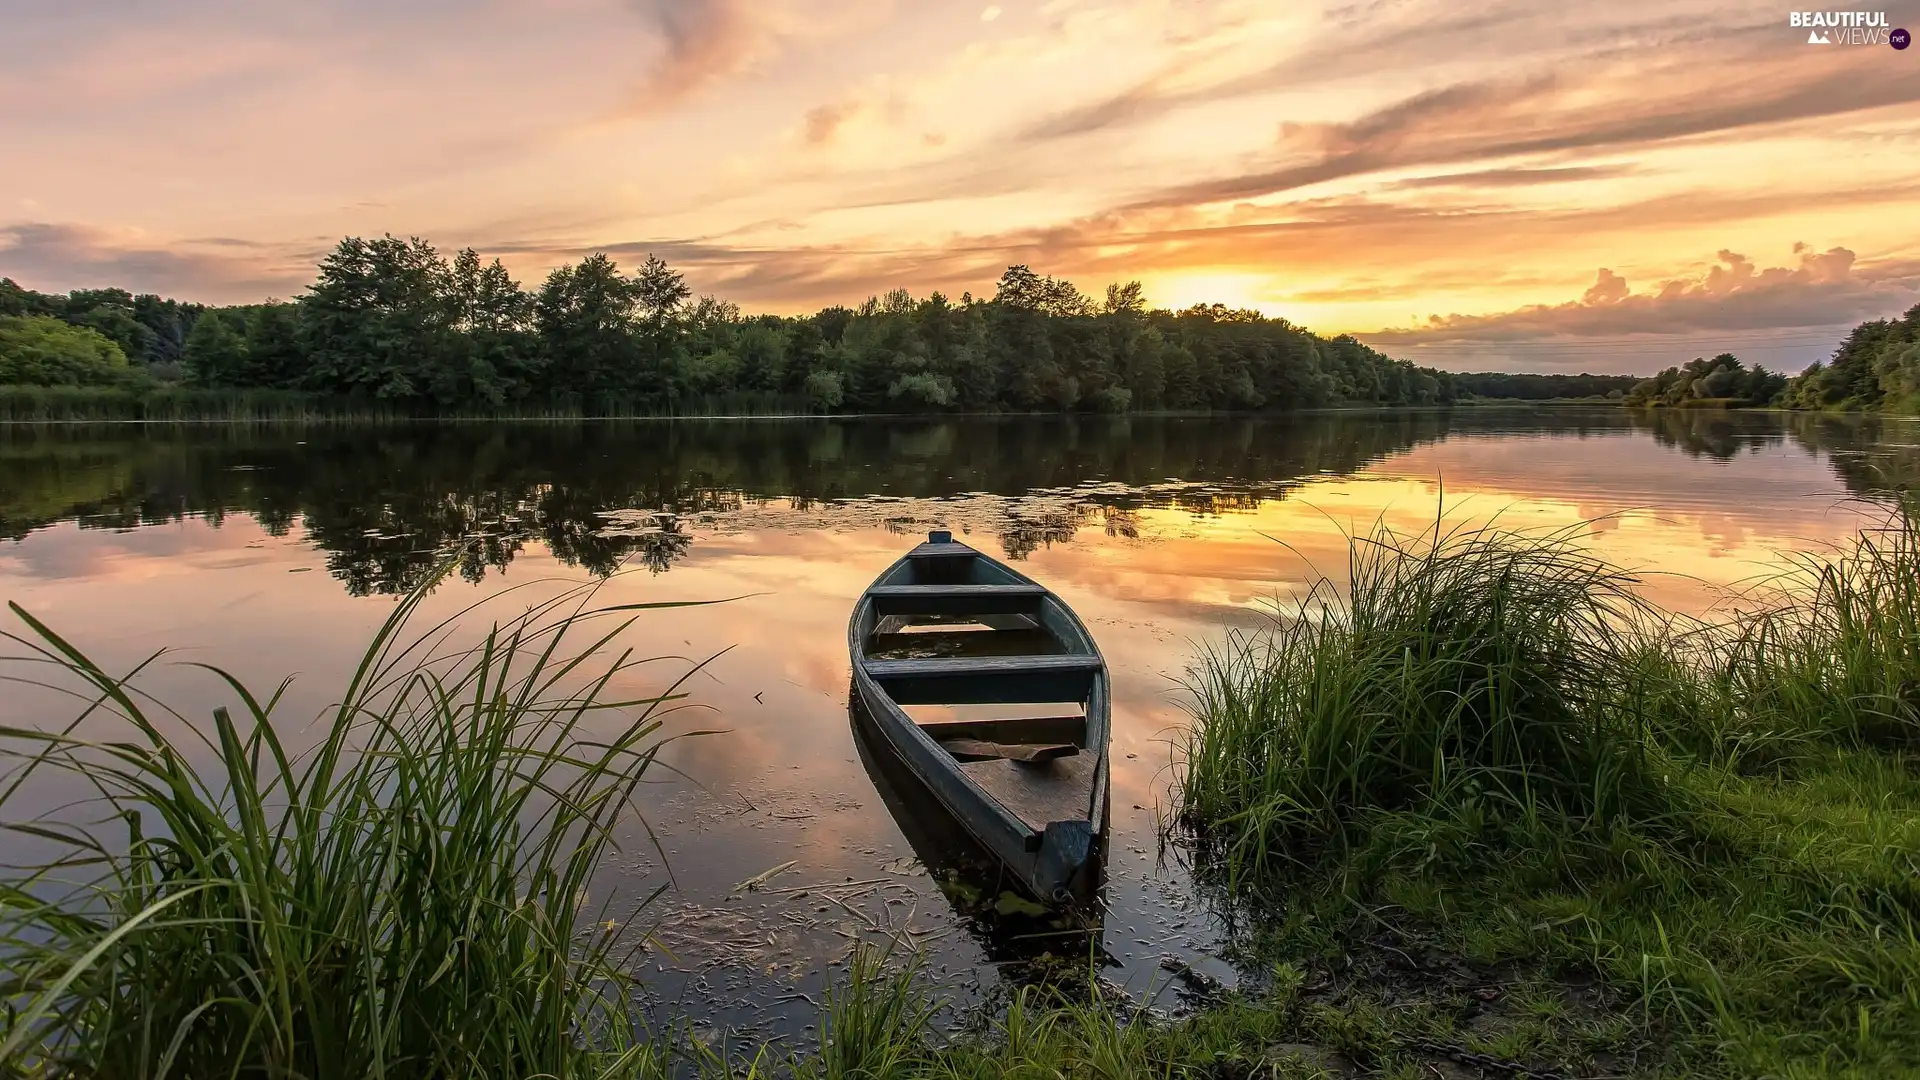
67, 553
1699, 528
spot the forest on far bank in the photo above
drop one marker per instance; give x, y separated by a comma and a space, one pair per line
1875, 369
395, 324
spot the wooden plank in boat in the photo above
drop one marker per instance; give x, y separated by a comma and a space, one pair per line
956, 599
980, 667
986, 679
977, 750
1065, 729
1059, 790
948, 550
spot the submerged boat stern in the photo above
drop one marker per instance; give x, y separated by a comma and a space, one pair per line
1066, 854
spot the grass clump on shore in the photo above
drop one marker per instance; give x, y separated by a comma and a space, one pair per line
1836, 651
1470, 671
402, 900
1491, 746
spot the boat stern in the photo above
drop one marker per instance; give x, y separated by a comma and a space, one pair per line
1066, 848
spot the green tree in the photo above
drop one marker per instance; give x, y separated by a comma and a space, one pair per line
1874, 368
378, 321
824, 391
587, 320
1125, 299
494, 358
16, 301
37, 350
276, 357
391, 319
168, 322
216, 355
661, 293
111, 312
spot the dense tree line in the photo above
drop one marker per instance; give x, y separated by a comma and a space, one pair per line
1721, 380
395, 322
148, 333
1538, 386
1876, 367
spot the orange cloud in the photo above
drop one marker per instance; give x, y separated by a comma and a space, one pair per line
1825, 291
824, 121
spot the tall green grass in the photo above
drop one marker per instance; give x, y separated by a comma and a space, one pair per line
876, 1021
177, 404
1494, 737
405, 899
1469, 669
1833, 648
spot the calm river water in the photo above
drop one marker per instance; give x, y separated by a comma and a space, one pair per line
277, 551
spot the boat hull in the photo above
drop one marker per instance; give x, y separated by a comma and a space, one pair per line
1055, 859
1060, 873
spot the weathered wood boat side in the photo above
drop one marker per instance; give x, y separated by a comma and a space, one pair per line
949, 626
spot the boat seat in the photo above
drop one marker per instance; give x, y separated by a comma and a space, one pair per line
942, 550
1019, 729
974, 680
956, 599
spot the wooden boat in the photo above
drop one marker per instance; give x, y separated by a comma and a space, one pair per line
1020, 756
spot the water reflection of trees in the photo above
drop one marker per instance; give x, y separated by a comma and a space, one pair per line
388, 503
1868, 453
1714, 433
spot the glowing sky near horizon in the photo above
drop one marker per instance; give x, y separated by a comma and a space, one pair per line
1473, 185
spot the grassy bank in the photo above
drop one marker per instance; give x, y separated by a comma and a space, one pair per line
1492, 755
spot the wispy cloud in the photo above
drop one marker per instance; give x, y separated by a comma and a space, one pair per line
220, 268
823, 121
1516, 176
1622, 106
701, 41
1381, 39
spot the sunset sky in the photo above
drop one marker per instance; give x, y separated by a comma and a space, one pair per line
1490, 184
